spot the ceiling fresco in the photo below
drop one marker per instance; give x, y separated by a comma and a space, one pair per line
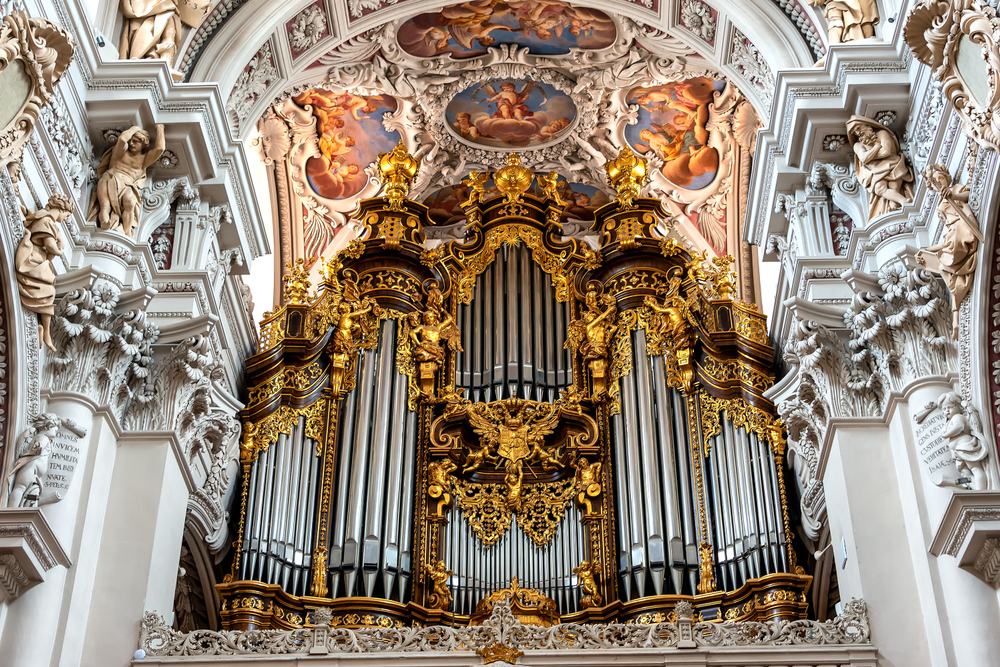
564, 88
507, 113
468, 29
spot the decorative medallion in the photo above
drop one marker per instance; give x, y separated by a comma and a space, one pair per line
672, 126
511, 113
351, 136
544, 27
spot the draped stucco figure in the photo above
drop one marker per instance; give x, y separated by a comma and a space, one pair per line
34, 448
955, 257
36, 281
152, 28
880, 166
121, 175
848, 20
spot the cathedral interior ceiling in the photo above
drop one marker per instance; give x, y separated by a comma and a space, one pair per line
327, 88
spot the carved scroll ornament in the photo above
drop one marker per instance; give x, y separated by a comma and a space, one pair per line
34, 54
959, 40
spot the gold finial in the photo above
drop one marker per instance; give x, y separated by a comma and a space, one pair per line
513, 180
296, 282
626, 174
706, 583
397, 169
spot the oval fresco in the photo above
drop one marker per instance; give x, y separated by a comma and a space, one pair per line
546, 27
671, 124
351, 135
511, 113
581, 200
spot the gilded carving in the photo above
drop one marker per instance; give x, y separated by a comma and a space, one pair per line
591, 334
440, 596
428, 330
674, 330
627, 173
397, 169
588, 574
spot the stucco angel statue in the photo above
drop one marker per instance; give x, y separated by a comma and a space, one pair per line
34, 448
848, 20
955, 257
880, 166
963, 436
152, 28
117, 201
36, 280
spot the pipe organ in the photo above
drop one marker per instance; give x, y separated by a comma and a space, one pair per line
512, 415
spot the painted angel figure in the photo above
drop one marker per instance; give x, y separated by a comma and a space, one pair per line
34, 448
117, 202
510, 103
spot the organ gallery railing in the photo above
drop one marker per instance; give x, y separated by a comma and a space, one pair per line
514, 416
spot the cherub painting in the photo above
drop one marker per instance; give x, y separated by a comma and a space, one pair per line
545, 27
672, 120
506, 113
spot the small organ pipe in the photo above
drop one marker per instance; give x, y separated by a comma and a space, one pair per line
649, 466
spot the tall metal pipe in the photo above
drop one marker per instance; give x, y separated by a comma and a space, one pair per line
649, 467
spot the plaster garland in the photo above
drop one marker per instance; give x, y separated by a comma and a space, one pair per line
307, 29
697, 17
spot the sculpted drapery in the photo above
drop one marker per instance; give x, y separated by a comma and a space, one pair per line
121, 174
849, 20
36, 279
880, 166
152, 28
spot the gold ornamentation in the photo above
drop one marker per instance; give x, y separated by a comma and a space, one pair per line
397, 169
499, 653
591, 334
588, 574
714, 276
431, 256
513, 180
476, 183
427, 330
439, 482
527, 605
706, 582
440, 596
319, 588
670, 247
627, 174
296, 282
740, 413
487, 510
550, 185
259, 436
588, 482
674, 331
750, 323
515, 429
392, 280
352, 250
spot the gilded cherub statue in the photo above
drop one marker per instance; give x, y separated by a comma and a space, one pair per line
117, 201
428, 330
591, 334
588, 482
440, 596
550, 187
349, 329
955, 257
476, 183
31, 468
439, 480
588, 573
36, 281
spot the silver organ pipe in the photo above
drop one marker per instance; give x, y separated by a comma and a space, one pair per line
479, 571
513, 333
279, 537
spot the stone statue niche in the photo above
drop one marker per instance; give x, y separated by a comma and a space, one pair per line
880, 166
153, 28
117, 201
36, 280
955, 257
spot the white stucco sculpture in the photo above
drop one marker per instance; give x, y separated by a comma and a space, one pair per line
880, 166
152, 28
848, 20
965, 441
955, 256
121, 175
36, 280
34, 447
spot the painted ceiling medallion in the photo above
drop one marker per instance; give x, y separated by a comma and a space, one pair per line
672, 125
468, 29
511, 113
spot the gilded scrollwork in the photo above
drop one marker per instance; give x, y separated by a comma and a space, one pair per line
429, 332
